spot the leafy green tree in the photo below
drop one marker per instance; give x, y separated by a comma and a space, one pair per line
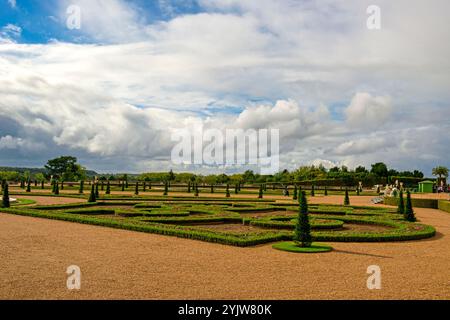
5, 197
65, 167
346, 198
380, 169
441, 172
302, 234
401, 204
409, 212
92, 197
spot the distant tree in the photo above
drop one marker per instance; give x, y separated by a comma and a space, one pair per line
409, 212
5, 197
65, 167
401, 204
171, 176
346, 198
361, 169
302, 234
441, 172
380, 169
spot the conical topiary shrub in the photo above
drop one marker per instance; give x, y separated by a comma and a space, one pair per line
295, 193
29, 185
401, 204
325, 193
261, 193
81, 190
108, 188
196, 190
228, 191
97, 194
346, 198
92, 197
302, 234
313, 191
5, 196
409, 212
56, 188
166, 188
136, 189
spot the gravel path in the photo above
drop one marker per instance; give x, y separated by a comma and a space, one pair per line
118, 264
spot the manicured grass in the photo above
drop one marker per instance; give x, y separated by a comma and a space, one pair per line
291, 246
262, 221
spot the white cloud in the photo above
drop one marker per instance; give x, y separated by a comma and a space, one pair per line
12, 3
368, 112
300, 61
9, 33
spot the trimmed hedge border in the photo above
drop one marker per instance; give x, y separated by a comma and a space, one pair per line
444, 205
419, 203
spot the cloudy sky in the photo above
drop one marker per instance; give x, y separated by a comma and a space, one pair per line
111, 91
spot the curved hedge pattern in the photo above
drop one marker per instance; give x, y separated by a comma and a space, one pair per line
211, 220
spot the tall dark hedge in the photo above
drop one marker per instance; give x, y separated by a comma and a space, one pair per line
401, 204
92, 197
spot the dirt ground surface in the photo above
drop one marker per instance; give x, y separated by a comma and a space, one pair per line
119, 264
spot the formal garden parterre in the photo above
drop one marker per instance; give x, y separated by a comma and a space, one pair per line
236, 222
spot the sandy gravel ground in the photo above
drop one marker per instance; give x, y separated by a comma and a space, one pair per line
118, 264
